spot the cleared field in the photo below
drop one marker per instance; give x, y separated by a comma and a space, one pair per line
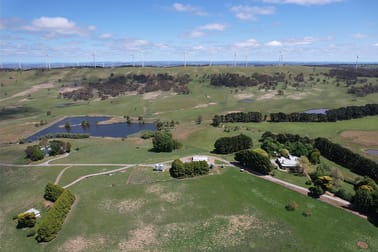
230, 211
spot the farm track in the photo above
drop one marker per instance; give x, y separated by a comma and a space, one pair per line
329, 199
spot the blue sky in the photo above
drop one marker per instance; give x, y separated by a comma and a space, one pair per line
299, 30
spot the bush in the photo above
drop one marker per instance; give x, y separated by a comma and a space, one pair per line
307, 212
26, 220
254, 161
316, 191
147, 134
52, 192
291, 205
162, 142
342, 193
34, 153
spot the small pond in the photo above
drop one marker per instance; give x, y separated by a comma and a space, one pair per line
247, 100
316, 111
372, 152
119, 129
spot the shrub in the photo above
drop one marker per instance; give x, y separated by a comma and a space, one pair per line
307, 212
291, 205
52, 192
147, 134
26, 220
182, 170
316, 191
342, 193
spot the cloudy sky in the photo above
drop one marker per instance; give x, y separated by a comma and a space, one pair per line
300, 30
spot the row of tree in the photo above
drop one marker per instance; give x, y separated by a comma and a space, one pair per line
51, 223
347, 158
226, 145
238, 117
190, 169
363, 90
52, 192
332, 115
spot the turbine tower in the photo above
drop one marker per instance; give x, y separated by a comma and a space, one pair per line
234, 59
184, 58
94, 59
280, 58
356, 62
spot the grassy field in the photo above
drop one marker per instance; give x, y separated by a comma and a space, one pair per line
143, 210
139, 209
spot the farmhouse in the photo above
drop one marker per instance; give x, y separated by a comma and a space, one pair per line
286, 163
200, 158
36, 212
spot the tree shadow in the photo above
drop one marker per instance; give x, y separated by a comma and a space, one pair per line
16, 112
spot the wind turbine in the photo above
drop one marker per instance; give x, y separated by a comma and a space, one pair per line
280, 58
357, 62
94, 59
184, 58
133, 59
234, 59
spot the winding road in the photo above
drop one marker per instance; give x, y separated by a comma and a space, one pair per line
327, 198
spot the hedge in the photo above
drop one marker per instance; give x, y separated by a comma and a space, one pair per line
52, 222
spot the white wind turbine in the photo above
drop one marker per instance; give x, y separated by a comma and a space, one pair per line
357, 62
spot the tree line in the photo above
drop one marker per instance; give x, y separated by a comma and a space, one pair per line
190, 169
238, 117
332, 115
347, 158
226, 145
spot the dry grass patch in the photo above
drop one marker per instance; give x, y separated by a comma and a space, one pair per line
140, 239
364, 138
81, 243
121, 207
244, 96
267, 96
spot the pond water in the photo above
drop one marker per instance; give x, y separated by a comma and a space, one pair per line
246, 100
316, 111
372, 152
121, 129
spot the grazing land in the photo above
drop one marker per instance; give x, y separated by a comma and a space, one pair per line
140, 209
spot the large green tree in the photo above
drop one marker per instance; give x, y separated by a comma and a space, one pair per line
163, 142
254, 161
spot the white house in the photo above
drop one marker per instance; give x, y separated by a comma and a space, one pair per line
36, 212
200, 158
284, 163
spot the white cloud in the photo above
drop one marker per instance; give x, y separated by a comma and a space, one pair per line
106, 36
274, 43
303, 41
247, 43
245, 12
57, 26
195, 34
359, 35
202, 31
302, 2
376, 44
179, 7
213, 27
135, 44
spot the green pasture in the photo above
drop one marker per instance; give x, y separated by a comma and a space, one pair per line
145, 210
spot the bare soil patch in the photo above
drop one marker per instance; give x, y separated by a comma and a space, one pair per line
364, 138
362, 245
69, 89
34, 89
205, 105
297, 96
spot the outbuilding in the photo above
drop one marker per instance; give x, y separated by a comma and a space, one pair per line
36, 212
